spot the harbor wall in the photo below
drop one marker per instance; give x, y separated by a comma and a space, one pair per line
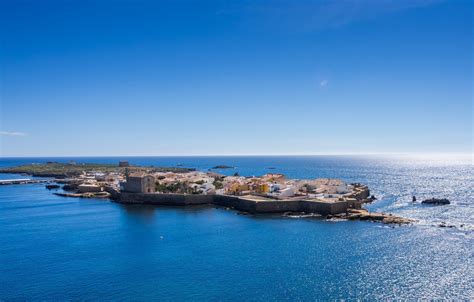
165, 199
278, 206
323, 208
241, 204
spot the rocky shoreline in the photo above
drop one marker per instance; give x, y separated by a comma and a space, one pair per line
365, 215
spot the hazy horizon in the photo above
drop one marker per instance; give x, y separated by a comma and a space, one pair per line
165, 78
436, 157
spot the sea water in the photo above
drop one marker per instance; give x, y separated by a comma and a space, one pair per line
58, 248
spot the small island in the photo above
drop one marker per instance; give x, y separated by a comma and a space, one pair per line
219, 167
179, 186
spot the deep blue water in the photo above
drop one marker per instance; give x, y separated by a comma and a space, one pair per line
59, 248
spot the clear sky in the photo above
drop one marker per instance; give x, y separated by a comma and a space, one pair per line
235, 77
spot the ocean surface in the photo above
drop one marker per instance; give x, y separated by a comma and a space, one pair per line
56, 248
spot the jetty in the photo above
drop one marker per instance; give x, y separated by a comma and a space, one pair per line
22, 181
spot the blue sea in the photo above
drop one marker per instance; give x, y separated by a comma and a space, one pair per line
56, 248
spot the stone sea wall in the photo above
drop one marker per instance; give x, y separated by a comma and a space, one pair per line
323, 208
165, 199
241, 204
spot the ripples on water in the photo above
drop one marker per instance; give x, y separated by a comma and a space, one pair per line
59, 248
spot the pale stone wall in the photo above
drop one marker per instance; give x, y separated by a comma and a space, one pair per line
133, 185
148, 184
143, 184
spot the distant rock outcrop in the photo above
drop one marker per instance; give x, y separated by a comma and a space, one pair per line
436, 201
222, 167
50, 187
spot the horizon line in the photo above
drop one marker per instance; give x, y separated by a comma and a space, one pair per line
430, 154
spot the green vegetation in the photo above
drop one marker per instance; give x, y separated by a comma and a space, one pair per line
61, 170
218, 184
159, 187
177, 187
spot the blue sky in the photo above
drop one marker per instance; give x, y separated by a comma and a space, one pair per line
235, 77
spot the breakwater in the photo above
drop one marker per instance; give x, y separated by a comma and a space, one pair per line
22, 181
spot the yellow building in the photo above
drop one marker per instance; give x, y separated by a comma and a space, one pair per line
236, 188
262, 188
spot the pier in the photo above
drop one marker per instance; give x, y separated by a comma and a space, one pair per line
22, 181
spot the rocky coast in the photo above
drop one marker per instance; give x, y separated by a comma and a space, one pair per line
177, 186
